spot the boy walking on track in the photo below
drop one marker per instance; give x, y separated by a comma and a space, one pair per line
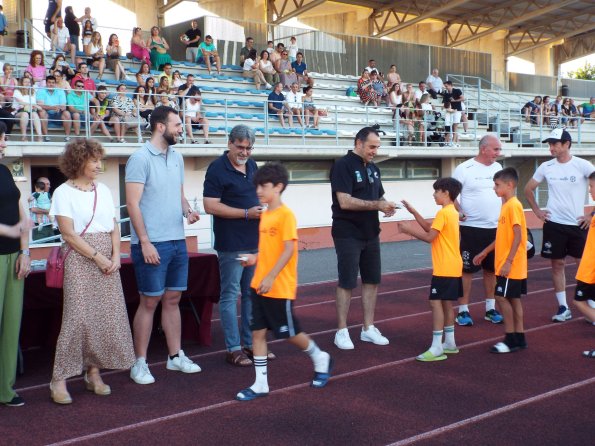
274, 284
447, 266
510, 261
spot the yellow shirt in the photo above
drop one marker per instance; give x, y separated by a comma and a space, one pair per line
586, 269
277, 226
511, 214
446, 257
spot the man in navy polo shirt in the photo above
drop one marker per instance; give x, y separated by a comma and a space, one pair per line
300, 68
276, 104
230, 196
357, 196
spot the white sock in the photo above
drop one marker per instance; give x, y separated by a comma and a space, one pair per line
261, 384
449, 337
319, 358
561, 296
490, 304
463, 308
436, 348
591, 303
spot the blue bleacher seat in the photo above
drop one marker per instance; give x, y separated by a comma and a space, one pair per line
314, 132
257, 104
329, 132
206, 88
224, 89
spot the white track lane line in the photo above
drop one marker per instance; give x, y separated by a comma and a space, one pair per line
199, 410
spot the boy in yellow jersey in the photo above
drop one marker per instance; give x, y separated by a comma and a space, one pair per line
510, 261
447, 266
274, 284
585, 276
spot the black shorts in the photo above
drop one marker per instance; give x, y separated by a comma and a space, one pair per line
584, 291
274, 314
355, 255
510, 288
196, 125
473, 241
446, 288
560, 241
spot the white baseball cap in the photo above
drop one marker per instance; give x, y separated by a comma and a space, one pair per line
558, 135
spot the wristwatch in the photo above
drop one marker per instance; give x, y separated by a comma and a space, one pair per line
25, 252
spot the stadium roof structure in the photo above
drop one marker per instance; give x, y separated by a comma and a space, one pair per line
529, 24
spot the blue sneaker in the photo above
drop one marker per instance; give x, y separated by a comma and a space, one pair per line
464, 319
494, 317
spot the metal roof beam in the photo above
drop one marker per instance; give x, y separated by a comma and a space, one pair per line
584, 29
279, 11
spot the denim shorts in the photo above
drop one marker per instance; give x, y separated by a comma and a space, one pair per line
170, 275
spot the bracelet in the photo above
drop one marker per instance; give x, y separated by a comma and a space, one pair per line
25, 252
246, 214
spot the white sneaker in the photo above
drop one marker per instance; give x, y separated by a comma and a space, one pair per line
182, 363
562, 315
140, 372
268, 86
342, 340
372, 334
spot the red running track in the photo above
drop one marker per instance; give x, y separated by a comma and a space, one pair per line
379, 395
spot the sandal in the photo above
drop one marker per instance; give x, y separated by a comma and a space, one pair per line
238, 358
250, 354
249, 395
589, 353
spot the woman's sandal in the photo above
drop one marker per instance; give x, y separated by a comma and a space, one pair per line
589, 354
238, 358
250, 354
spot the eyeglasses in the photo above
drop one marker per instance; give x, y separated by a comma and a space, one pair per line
79, 85
284, 54
243, 148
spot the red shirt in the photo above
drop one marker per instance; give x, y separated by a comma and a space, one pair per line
89, 83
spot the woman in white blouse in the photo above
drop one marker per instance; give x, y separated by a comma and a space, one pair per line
25, 108
251, 69
95, 54
267, 68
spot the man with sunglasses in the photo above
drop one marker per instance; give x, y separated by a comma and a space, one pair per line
230, 196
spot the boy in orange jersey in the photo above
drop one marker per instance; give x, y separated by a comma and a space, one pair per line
275, 282
447, 266
585, 276
510, 261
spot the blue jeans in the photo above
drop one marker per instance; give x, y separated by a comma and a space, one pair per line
171, 273
235, 279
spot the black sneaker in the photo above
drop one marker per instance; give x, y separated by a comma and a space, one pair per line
15, 402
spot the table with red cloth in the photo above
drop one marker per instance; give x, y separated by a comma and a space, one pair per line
42, 306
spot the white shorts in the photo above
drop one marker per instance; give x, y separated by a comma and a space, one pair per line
456, 117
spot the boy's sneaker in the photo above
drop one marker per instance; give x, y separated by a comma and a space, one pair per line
182, 363
372, 334
494, 317
562, 315
464, 319
140, 373
342, 340
15, 402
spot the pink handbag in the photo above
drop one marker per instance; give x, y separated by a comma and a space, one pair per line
54, 269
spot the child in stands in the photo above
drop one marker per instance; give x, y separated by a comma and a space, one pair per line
275, 282
447, 266
510, 261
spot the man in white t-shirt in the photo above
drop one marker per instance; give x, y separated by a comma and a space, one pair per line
421, 90
434, 83
193, 116
61, 38
565, 223
293, 102
479, 210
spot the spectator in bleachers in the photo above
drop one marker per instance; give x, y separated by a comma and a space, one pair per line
61, 81
558, 104
408, 113
449, 116
587, 110
292, 49
379, 87
456, 98
287, 75
158, 46
194, 116
245, 51
575, 113
95, 54
88, 18
251, 69
300, 68
64, 67
395, 97
184, 89
310, 108
25, 108
434, 83
99, 112
163, 84
124, 115
74, 29
151, 89
565, 112
3, 26
53, 12
176, 81
83, 75
392, 77
425, 115
421, 90
113, 52
267, 69
7, 87
190, 39
372, 67
276, 104
276, 54
78, 104
144, 103
293, 102
207, 54
87, 34
365, 90
138, 47
165, 101
531, 110
36, 67
270, 47
546, 110
167, 72
53, 107
61, 39
144, 72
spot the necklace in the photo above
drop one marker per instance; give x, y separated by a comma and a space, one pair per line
73, 184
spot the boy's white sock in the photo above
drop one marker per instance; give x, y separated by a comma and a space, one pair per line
463, 308
261, 384
561, 296
436, 348
490, 304
319, 358
449, 337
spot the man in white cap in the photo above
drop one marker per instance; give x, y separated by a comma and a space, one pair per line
565, 223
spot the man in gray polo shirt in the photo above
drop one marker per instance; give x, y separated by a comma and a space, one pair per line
156, 205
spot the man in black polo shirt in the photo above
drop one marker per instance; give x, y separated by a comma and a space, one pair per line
191, 39
358, 195
456, 98
230, 196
